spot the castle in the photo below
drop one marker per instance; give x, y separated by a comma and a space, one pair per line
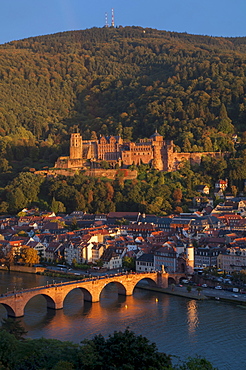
156, 151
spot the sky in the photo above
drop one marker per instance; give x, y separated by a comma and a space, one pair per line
26, 18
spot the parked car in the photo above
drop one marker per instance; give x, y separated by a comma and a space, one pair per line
204, 285
218, 287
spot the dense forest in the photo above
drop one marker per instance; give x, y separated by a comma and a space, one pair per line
127, 81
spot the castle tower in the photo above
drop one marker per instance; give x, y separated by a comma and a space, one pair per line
157, 145
168, 155
76, 146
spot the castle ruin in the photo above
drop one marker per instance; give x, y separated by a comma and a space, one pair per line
155, 151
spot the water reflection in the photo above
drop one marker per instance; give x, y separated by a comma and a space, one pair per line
192, 317
80, 319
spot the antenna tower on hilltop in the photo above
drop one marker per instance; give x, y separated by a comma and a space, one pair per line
112, 22
106, 19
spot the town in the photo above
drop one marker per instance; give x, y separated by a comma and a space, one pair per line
213, 238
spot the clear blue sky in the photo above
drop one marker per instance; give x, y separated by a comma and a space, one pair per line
24, 18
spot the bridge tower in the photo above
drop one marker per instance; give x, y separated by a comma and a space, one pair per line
190, 257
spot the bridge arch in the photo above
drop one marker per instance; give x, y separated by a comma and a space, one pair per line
9, 309
120, 287
171, 281
86, 293
50, 302
146, 280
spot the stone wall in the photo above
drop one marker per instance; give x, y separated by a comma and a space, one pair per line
112, 174
31, 270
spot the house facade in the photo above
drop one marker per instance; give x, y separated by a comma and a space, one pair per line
233, 259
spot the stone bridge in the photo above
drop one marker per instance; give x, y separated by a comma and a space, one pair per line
55, 294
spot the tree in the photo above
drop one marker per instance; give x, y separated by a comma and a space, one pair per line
127, 133
8, 346
189, 288
208, 146
186, 145
199, 289
13, 327
16, 200
224, 121
104, 165
197, 363
177, 195
8, 259
234, 190
74, 224
29, 256
124, 350
129, 263
57, 206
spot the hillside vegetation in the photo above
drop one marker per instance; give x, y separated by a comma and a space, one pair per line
128, 81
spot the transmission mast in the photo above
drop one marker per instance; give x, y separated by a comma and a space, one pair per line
112, 21
106, 19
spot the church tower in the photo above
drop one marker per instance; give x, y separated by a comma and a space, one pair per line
76, 146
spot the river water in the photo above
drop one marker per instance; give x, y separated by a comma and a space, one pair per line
178, 326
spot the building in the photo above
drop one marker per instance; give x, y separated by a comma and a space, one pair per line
111, 259
206, 257
145, 263
166, 256
155, 151
203, 189
233, 259
221, 185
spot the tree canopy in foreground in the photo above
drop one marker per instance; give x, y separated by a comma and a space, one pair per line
121, 351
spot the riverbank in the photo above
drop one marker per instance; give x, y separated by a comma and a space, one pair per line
204, 295
191, 295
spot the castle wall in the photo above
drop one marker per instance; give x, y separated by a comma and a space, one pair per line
66, 163
112, 174
174, 159
62, 162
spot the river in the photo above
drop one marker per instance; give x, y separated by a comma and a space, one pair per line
179, 326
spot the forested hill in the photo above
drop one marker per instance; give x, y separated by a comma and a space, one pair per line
128, 81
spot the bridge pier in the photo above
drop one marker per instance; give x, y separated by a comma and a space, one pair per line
55, 299
162, 280
15, 307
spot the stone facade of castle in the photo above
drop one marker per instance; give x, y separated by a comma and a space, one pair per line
156, 151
